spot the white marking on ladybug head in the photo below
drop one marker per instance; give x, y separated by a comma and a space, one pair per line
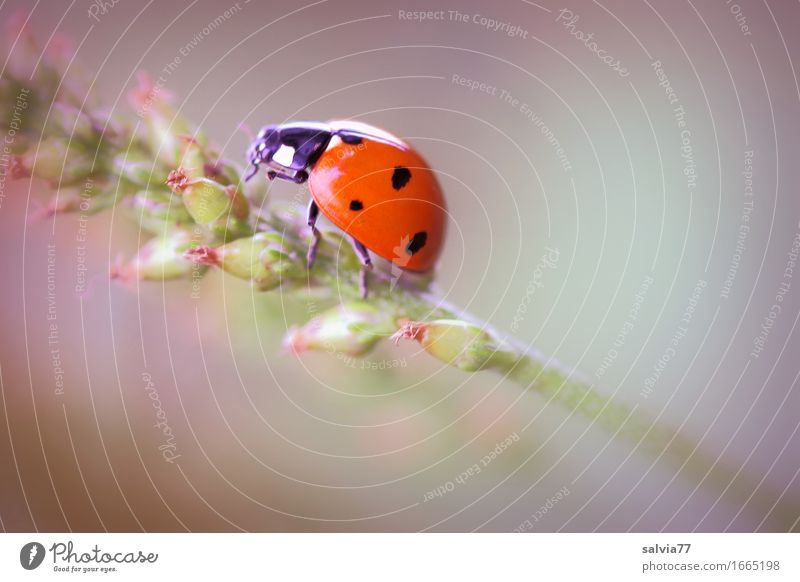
284, 155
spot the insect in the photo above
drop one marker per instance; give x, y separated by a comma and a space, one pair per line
367, 182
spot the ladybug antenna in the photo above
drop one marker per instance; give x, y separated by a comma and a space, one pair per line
251, 172
248, 131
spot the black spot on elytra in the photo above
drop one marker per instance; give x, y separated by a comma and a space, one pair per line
400, 177
351, 139
417, 243
356, 205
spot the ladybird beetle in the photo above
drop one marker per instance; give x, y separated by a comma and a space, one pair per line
367, 182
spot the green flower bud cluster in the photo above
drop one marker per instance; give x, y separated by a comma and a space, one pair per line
222, 209
457, 343
163, 172
163, 258
352, 329
30, 83
263, 259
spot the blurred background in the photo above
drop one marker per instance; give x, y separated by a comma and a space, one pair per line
649, 149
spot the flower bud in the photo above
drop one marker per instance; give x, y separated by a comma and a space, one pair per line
193, 159
458, 343
229, 228
18, 39
261, 259
72, 124
351, 328
67, 202
206, 200
155, 210
53, 161
162, 258
21, 114
224, 172
161, 123
140, 173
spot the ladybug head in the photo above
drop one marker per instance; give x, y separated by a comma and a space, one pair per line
261, 150
290, 150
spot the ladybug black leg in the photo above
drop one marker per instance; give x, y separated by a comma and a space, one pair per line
366, 265
313, 214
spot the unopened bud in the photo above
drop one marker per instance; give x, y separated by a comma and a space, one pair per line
193, 156
53, 161
229, 228
162, 258
351, 328
67, 202
458, 343
261, 259
161, 122
223, 172
155, 210
73, 124
26, 50
143, 174
206, 200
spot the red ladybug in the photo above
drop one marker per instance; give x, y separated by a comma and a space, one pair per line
367, 182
